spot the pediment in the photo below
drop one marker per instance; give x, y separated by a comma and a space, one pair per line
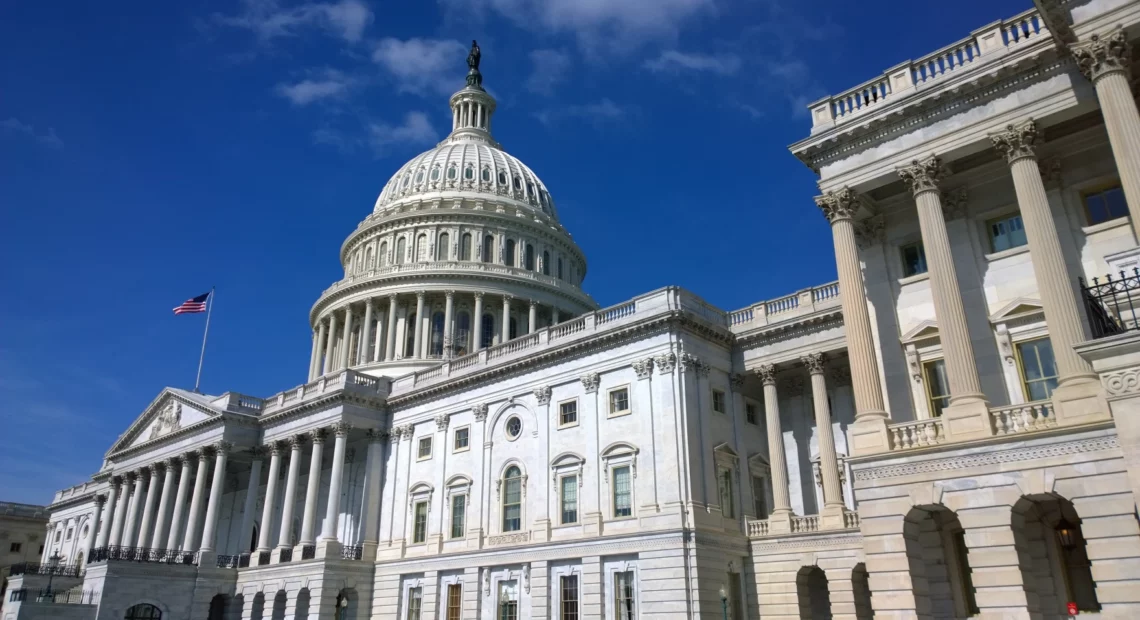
724, 448
1016, 309
925, 330
169, 413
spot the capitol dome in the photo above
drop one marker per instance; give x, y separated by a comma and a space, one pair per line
463, 251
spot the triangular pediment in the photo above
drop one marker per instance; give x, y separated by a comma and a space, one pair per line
1016, 309
171, 412
925, 330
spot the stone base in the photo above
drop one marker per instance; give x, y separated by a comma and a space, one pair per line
831, 518
329, 548
592, 524
368, 551
967, 419
1080, 401
780, 523
207, 558
868, 436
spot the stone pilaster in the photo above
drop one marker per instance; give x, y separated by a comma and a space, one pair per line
214, 504
309, 516
275, 450
832, 513
289, 500
780, 519
329, 541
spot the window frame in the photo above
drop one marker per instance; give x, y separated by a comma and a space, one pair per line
453, 609
614, 492
420, 456
614, 598
1097, 189
719, 401
1005, 217
561, 488
931, 398
760, 496
414, 593
455, 448
504, 481
463, 516
925, 266
751, 412
1017, 345
725, 483
610, 412
577, 417
418, 537
561, 605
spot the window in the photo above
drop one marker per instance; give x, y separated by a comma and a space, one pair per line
436, 341
487, 337
568, 413
913, 259
545, 263
458, 516
724, 486
513, 329
759, 498
469, 173
435, 173
937, 386
529, 257
465, 247
750, 413
401, 250
382, 259
462, 439
568, 608
424, 451
518, 182
451, 172
559, 268
512, 500
514, 427
623, 595
70, 531
462, 334
41, 549
421, 248
419, 531
415, 603
508, 600
419, 177
509, 258
718, 401
1106, 204
1038, 368
410, 335
488, 249
14, 548
502, 178
623, 494
619, 401
455, 593
442, 245
58, 535
1006, 232
486, 175
569, 498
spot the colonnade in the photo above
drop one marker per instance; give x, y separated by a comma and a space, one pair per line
368, 332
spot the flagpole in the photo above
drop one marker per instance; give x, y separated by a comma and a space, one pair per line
205, 334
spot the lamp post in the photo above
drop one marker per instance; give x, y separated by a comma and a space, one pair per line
724, 602
53, 564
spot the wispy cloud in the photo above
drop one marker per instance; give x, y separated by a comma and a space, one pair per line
550, 68
329, 84
422, 66
269, 20
13, 126
597, 113
379, 136
673, 61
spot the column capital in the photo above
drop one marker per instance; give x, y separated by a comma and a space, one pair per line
223, 448
392, 298
420, 295
480, 411
276, 447
257, 453
590, 381
441, 422
1101, 56
1016, 141
478, 294
205, 454
665, 363
172, 463
407, 430
296, 442
341, 428
643, 368
376, 435
533, 302
318, 435
542, 394
736, 380
100, 500
922, 176
767, 374
840, 204
508, 298
815, 362
449, 294
116, 480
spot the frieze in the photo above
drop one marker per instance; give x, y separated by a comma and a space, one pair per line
1121, 382
815, 541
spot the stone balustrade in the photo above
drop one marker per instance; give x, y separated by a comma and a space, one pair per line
806, 524
1025, 418
475, 267
344, 380
806, 301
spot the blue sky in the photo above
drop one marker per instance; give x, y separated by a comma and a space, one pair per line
151, 150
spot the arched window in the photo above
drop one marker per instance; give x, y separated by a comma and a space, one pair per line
486, 175
545, 263
489, 249
465, 247
437, 334
368, 259
435, 173
383, 258
502, 178
487, 338
419, 177
143, 611
512, 500
451, 174
442, 246
509, 257
518, 183
529, 264
401, 250
461, 345
514, 330
559, 267
421, 248
410, 335
469, 172
359, 262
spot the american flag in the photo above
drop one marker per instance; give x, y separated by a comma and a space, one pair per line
196, 304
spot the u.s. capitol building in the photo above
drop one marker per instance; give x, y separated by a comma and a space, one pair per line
951, 430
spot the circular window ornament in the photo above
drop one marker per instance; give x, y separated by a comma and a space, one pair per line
514, 427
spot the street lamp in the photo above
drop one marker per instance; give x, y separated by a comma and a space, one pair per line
724, 602
53, 564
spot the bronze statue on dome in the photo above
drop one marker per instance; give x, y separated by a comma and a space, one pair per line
474, 78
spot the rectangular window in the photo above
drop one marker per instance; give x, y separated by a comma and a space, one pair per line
619, 401
419, 532
458, 516
937, 386
454, 601
624, 595
512, 502
759, 498
568, 413
913, 259
733, 608
724, 484
14, 548
569, 606
1006, 232
508, 600
569, 496
415, 603
462, 439
70, 531
424, 449
718, 401
623, 494
1106, 204
750, 413
1038, 368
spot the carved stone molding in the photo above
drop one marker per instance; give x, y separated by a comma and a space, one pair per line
793, 386
922, 176
665, 363
767, 374
223, 448
318, 435
542, 394
692, 363
441, 422
986, 459
954, 203
643, 368
340, 429
1101, 56
508, 539
480, 412
871, 232
406, 431
839, 204
590, 381
1016, 141
1122, 382
736, 380
376, 435
815, 362
395, 434
1050, 172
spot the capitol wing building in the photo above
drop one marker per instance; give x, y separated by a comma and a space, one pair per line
951, 430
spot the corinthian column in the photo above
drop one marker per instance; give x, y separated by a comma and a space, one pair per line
257, 453
161, 520
478, 319
270, 496
190, 540
839, 207
1059, 298
922, 178
217, 487
313, 355
390, 346
777, 461
148, 507
322, 346
296, 443
828, 463
136, 479
1104, 61
330, 345
180, 501
364, 357
448, 307
314, 485
89, 542
107, 531
332, 509
506, 334
417, 338
346, 337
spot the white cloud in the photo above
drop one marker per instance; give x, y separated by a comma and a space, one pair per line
331, 84
14, 126
596, 113
268, 20
550, 68
416, 129
674, 61
423, 66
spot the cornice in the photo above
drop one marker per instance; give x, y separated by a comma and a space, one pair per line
140, 424
71, 501
322, 403
779, 332
838, 539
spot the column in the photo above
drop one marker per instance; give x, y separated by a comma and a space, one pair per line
828, 463
330, 344
417, 340
250, 504
555, 317
179, 502
506, 333
217, 487
448, 306
107, 531
162, 520
777, 461
313, 487
190, 540
840, 207
390, 346
148, 508
346, 338
275, 449
478, 320
133, 510
89, 542
296, 442
313, 355
922, 178
532, 317
1104, 61
366, 334
370, 535
332, 511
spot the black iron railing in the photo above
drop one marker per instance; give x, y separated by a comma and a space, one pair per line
308, 552
227, 561
352, 552
18, 596
243, 560
35, 568
286, 555
142, 554
58, 597
1112, 302
263, 557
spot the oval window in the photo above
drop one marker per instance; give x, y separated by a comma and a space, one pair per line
451, 172
502, 178
518, 183
486, 175
469, 173
435, 174
419, 177
514, 427
407, 179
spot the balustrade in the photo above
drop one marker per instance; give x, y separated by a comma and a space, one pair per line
352, 552
141, 554
807, 523
917, 434
1036, 416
